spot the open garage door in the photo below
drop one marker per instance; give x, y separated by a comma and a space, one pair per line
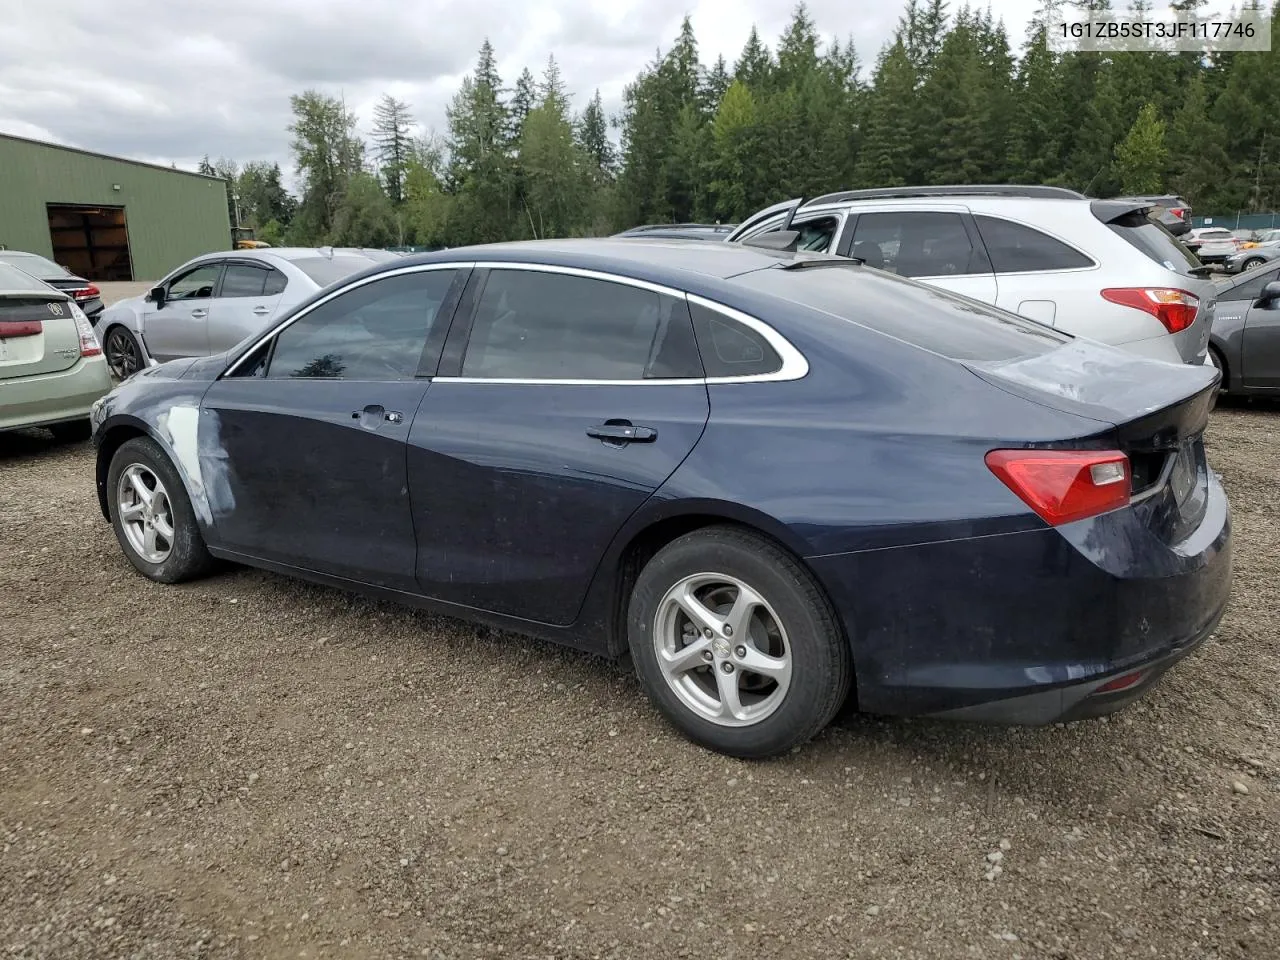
92, 242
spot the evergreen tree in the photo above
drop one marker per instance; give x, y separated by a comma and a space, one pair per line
716, 85
327, 154
593, 141
1141, 157
392, 122
480, 171
1197, 158
732, 165
888, 133
755, 66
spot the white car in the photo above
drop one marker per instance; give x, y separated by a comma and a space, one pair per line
211, 303
1100, 269
1212, 244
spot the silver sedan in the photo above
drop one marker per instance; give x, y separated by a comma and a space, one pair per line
211, 303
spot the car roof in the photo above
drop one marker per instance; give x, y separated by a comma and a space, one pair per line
660, 261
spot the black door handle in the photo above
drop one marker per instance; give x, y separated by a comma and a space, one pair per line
622, 431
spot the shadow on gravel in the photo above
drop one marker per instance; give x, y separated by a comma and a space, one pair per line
33, 443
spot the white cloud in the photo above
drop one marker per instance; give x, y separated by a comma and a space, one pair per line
174, 81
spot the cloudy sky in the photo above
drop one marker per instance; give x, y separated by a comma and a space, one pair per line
169, 81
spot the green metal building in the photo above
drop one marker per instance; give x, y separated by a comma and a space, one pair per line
107, 218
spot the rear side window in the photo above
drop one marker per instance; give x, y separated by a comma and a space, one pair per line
1155, 241
917, 244
925, 316
276, 282
532, 325
242, 280
1015, 248
730, 349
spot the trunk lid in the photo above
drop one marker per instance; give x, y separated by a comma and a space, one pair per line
1158, 412
38, 335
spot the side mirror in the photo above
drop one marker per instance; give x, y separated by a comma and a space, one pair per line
156, 296
1270, 294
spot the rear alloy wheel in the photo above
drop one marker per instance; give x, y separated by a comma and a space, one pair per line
123, 352
152, 516
1251, 263
736, 644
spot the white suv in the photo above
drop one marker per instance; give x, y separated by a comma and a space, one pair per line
1100, 269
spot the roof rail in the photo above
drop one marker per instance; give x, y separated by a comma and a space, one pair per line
717, 227
977, 190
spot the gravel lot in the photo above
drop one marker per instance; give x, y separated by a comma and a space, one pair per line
254, 767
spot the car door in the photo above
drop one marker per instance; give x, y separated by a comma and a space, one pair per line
939, 247
307, 436
1260, 346
1231, 318
1037, 275
245, 302
565, 399
178, 327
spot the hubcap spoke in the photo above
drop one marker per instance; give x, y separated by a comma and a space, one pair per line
739, 615
686, 658
149, 540
163, 528
775, 668
141, 489
131, 511
696, 611
730, 699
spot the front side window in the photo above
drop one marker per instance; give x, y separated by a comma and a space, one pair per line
375, 332
195, 284
243, 280
1016, 248
1250, 287
534, 325
917, 244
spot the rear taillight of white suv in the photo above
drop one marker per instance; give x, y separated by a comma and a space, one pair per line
89, 346
1175, 309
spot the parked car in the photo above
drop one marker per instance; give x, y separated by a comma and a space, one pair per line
1094, 268
1212, 244
51, 366
680, 231
213, 302
1169, 209
1253, 256
86, 295
1245, 343
773, 477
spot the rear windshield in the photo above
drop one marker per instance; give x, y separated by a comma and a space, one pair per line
921, 315
11, 278
326, 270
35, 266
1155, 241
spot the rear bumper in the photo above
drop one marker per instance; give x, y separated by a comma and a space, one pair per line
53, 397
1025, 627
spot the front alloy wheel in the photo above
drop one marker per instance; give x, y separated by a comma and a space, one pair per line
146, 515
123, 354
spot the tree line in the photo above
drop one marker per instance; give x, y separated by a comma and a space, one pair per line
947, 101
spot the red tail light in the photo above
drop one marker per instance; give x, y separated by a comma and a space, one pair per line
1179, 212
86, 293
89, 346
1064, 485
19, 328
1175, 309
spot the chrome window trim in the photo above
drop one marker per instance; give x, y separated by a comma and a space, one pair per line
399, 271
794, 365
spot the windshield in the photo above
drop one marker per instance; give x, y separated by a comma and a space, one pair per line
942, 322
34, 265
326, 270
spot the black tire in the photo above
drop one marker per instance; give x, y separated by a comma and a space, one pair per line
821, 664
73, 431
188, 557
122, 351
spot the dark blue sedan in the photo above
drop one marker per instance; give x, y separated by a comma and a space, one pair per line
776, 479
